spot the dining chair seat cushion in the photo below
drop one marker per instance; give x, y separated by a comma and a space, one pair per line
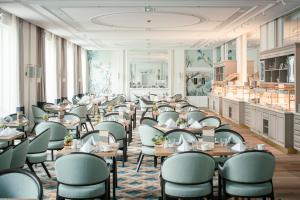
148, 150
252, 190
3, 145
56, 145
37, 157
178, 190
79, 192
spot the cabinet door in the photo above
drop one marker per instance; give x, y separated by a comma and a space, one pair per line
280, 135
272, 126
252, 119
259, 120
225, 109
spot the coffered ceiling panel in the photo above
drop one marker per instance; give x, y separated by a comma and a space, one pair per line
106, 24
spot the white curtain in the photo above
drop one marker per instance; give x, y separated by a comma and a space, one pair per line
84, 70
50, 69
9, 68
70, 70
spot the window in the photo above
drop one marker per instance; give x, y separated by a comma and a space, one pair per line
70, 70
84, 70
9, 68
50, 59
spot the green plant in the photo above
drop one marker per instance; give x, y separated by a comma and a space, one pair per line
68, 139
2, 125
45, 117
158, 139
181, 121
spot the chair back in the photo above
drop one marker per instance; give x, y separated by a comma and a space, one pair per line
20, 184
176, 133
148, 121
57, 130
39, 144
71, 117
97, 137
147, 133
19, 154
114, 116
249, 167
5, 159
195, 115
37, 112
227, 134
189, 107
81, 169
210, 121
164, 108
163, 117
115, 128
188, 168
223, 126
80, 110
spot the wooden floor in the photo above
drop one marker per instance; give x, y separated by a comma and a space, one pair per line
287, 173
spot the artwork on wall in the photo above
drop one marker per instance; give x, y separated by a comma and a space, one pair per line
100, 72
198, 71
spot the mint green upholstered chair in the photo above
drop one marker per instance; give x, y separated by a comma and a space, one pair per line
57, 135
81, 111
5, 158
75, 129
189, 108
20, 184
37, 151
210, 121
82, 176
97, 137
148, 121
164, 108
38, 114
19, 154
147, 133
248, 174
223, 126
195, 115
119, 132
163, 117
3, 144
174, 135
188, 175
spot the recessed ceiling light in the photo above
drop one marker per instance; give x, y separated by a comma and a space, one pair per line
149, 9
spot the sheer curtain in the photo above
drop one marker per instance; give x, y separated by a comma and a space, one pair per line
50, 69
9, 68
84, 70
70, 70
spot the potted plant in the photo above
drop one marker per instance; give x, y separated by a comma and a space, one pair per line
158, 139
68, 140
45, 117
181, 122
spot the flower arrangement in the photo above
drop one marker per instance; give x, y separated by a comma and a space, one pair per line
45, 117
109, 108
154, 108
181, 121
158, 139
2, 126
68, 140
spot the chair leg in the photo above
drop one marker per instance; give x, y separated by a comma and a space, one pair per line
30, 166
33, 127
46, 170
52, 155
140, 163
139, 157
155, 161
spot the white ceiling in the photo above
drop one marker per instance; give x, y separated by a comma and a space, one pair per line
157, 24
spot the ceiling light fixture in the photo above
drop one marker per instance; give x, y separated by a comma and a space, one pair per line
149, 9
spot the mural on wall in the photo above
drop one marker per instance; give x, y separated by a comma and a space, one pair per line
100, 72
199, 72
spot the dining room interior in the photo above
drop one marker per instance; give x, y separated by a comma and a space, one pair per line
150, 99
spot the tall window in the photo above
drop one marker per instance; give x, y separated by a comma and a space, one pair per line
9, 78
70, 70
50, 59
84, 70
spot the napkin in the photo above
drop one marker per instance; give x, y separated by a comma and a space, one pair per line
191, 121
8, 131
239, 147
88, 145
184, 144
196, 125
170, 123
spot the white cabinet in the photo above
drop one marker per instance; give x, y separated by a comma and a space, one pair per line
233, 110
297, 131
215, 104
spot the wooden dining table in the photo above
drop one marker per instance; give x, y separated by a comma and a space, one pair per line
164, 128
11, 138
112, 153
57, 108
